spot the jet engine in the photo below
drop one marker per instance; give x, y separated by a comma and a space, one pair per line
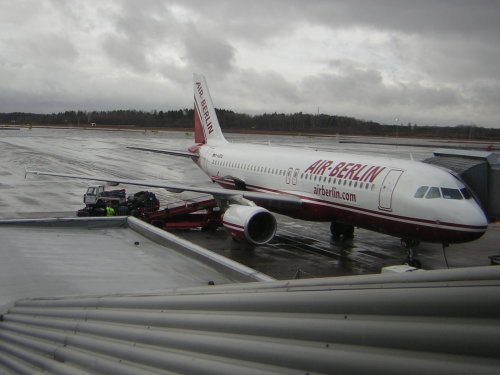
252, 224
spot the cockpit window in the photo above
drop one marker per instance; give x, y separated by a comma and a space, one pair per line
451, 193
466, 193
446, 193
433, 193
421, 191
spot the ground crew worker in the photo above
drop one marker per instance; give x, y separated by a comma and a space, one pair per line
110, 211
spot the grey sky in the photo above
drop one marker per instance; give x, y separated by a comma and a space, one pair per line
425, 62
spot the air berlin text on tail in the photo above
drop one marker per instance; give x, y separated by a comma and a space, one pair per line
348, 171
204, 107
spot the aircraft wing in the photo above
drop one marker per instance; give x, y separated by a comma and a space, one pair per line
277, 200
168, 152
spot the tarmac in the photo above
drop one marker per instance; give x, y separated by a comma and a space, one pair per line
300, 250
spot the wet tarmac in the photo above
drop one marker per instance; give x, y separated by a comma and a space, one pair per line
301, 249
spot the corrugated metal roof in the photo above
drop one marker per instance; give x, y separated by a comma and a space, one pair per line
426, 322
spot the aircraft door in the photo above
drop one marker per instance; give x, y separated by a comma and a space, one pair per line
387, 189
294, 177
289, 175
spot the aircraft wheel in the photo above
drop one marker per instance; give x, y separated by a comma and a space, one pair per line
349, 232
340, 229
210, 227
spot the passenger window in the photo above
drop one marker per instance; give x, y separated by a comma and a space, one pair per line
466, 193
433, 193
451, 193
421, 191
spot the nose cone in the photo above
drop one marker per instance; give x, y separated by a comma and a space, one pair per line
481, 219
476, 222
476, 215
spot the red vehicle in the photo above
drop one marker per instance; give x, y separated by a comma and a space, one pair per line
199, 212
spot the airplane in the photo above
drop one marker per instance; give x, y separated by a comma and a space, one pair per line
403, 198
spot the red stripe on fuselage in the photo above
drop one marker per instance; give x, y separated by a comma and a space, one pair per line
378, 213
314, 209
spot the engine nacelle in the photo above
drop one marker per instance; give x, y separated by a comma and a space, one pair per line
252, 224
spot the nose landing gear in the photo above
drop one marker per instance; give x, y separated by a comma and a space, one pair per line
410, 245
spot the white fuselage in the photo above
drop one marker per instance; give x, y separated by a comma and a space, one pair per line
373, 192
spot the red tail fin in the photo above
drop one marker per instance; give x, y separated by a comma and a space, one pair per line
206, 125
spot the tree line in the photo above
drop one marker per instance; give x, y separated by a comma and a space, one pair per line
274, 122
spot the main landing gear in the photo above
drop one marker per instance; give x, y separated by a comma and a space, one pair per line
338, 230
410, 246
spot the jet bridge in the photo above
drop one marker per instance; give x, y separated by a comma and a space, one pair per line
480, 170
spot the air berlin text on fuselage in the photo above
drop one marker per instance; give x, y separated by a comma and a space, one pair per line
204, 108
345, 170
332, 192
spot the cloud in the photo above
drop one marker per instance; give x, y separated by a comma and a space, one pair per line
208, 54
366, 92
117, 48
425, 17
429, 61
256, 92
